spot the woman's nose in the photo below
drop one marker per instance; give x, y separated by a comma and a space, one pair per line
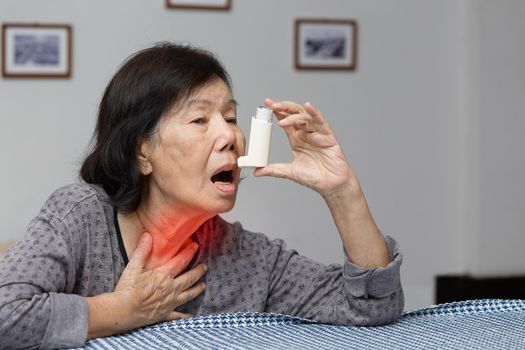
225, 139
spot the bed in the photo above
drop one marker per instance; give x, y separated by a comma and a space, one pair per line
476, 324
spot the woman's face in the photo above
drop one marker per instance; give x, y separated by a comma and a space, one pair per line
192, 161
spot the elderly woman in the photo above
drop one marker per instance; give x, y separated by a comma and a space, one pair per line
140, 241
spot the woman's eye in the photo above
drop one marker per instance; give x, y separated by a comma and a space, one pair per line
199, 121
232, 121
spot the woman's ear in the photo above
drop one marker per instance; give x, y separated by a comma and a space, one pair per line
143, 153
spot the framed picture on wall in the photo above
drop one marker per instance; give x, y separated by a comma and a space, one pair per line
221, 5
36, 50
325, 44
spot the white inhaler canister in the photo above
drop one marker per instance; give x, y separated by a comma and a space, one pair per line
260, 136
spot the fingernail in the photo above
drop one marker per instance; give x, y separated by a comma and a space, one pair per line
195, 246
205, 268
144, 237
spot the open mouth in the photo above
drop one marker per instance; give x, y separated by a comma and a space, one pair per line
224, 179
225, 176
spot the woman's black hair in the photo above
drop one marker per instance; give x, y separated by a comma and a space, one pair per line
145, 86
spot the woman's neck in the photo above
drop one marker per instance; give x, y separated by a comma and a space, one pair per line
170, 228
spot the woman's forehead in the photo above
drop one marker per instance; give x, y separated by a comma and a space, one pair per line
211, 102
213, 92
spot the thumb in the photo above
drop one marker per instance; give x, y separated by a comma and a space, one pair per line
141, 252
281, 170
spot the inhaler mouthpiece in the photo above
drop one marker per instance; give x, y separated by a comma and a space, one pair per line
260, 136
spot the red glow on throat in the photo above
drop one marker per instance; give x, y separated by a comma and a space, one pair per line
169, 238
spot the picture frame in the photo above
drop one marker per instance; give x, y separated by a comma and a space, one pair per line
215, 5
325, 44
36, 50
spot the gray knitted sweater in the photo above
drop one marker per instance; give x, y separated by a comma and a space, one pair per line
73, 248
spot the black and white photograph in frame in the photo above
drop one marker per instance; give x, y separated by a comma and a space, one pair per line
220, 5
36, 50
325, 44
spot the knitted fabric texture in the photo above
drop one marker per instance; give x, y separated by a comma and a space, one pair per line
476, 324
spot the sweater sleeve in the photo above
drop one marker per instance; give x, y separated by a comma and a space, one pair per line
37, 276
335, 294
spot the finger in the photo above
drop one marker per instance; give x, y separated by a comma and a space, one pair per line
268, 102
289, 107
317, 116
289, 130
284, 108
281, 170
191, 293
141, 253
189, 278
175, 315
179, 262
298, 121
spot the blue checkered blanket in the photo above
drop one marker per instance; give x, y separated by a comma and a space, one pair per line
477, 324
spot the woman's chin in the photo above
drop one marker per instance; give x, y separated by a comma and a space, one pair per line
225, 206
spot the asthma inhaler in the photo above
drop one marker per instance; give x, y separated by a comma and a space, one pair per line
260, 135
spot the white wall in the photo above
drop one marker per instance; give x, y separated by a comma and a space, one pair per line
404, 118
501, 165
